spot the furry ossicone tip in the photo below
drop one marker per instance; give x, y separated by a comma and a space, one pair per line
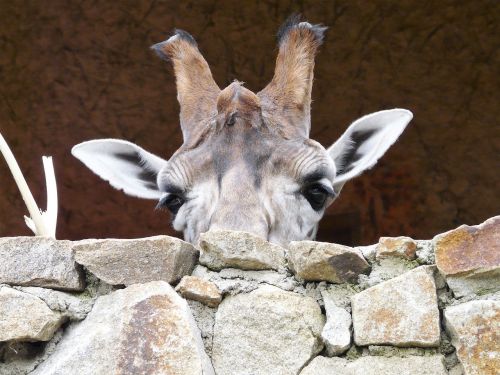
178, 34
296, 21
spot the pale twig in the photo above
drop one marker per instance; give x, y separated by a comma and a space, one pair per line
41, 223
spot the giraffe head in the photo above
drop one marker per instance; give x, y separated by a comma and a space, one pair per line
247, 162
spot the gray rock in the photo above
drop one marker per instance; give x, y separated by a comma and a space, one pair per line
205, 320
430, 365
474, 328
234, 281
24, 317
386, 269
369, 252
268, 331
39, 261
393, 351
20, 358
476, 283
340, 294
321, 261
401, 312
198, 289
425, 252
71, 306
327, 366
336, 333
456, 370
229, 249
145, 328
141, 260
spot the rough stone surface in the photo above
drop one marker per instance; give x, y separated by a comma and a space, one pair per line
401, 312
386, 269
198, 289
205, 319
475, 284
456, 370
336, 333
469, 257
327, 366
474, 328
138, 260
369, 252
233, 281
429, 365
340, 294
425, 252
145, 328
20, 358
225, 249
321, 261
402, 247
393, 351
71, 306
24, 317
39, 261
268, 331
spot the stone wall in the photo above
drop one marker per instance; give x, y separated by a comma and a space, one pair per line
240, 305
76, 70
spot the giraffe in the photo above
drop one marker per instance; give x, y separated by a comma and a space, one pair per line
246, 162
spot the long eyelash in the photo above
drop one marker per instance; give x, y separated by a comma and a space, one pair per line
161, 203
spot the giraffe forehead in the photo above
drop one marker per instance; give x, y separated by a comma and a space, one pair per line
254, 155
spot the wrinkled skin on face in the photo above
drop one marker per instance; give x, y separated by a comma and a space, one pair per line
247, 162
248, 177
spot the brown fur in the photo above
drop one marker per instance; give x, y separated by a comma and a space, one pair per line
196, 89
236, 101
284, 105
287, 98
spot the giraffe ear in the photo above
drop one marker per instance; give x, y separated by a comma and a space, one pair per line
365, 141
124, 165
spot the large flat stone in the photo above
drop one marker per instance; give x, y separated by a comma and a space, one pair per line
24, 317
474, 328
230, 249
39, 261
402, 311
321, 261
141, 260
469, 257
369, 365
336, 333
268, 331
143, 329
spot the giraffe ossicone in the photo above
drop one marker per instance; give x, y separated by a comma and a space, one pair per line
247, 162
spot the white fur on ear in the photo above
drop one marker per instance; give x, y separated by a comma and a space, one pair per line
365, 141
123, 164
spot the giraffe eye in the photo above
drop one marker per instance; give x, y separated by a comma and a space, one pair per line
172, 202
316, 195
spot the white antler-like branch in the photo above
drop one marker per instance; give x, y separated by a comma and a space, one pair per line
41, 223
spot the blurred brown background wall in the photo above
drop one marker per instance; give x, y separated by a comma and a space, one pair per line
76, 70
